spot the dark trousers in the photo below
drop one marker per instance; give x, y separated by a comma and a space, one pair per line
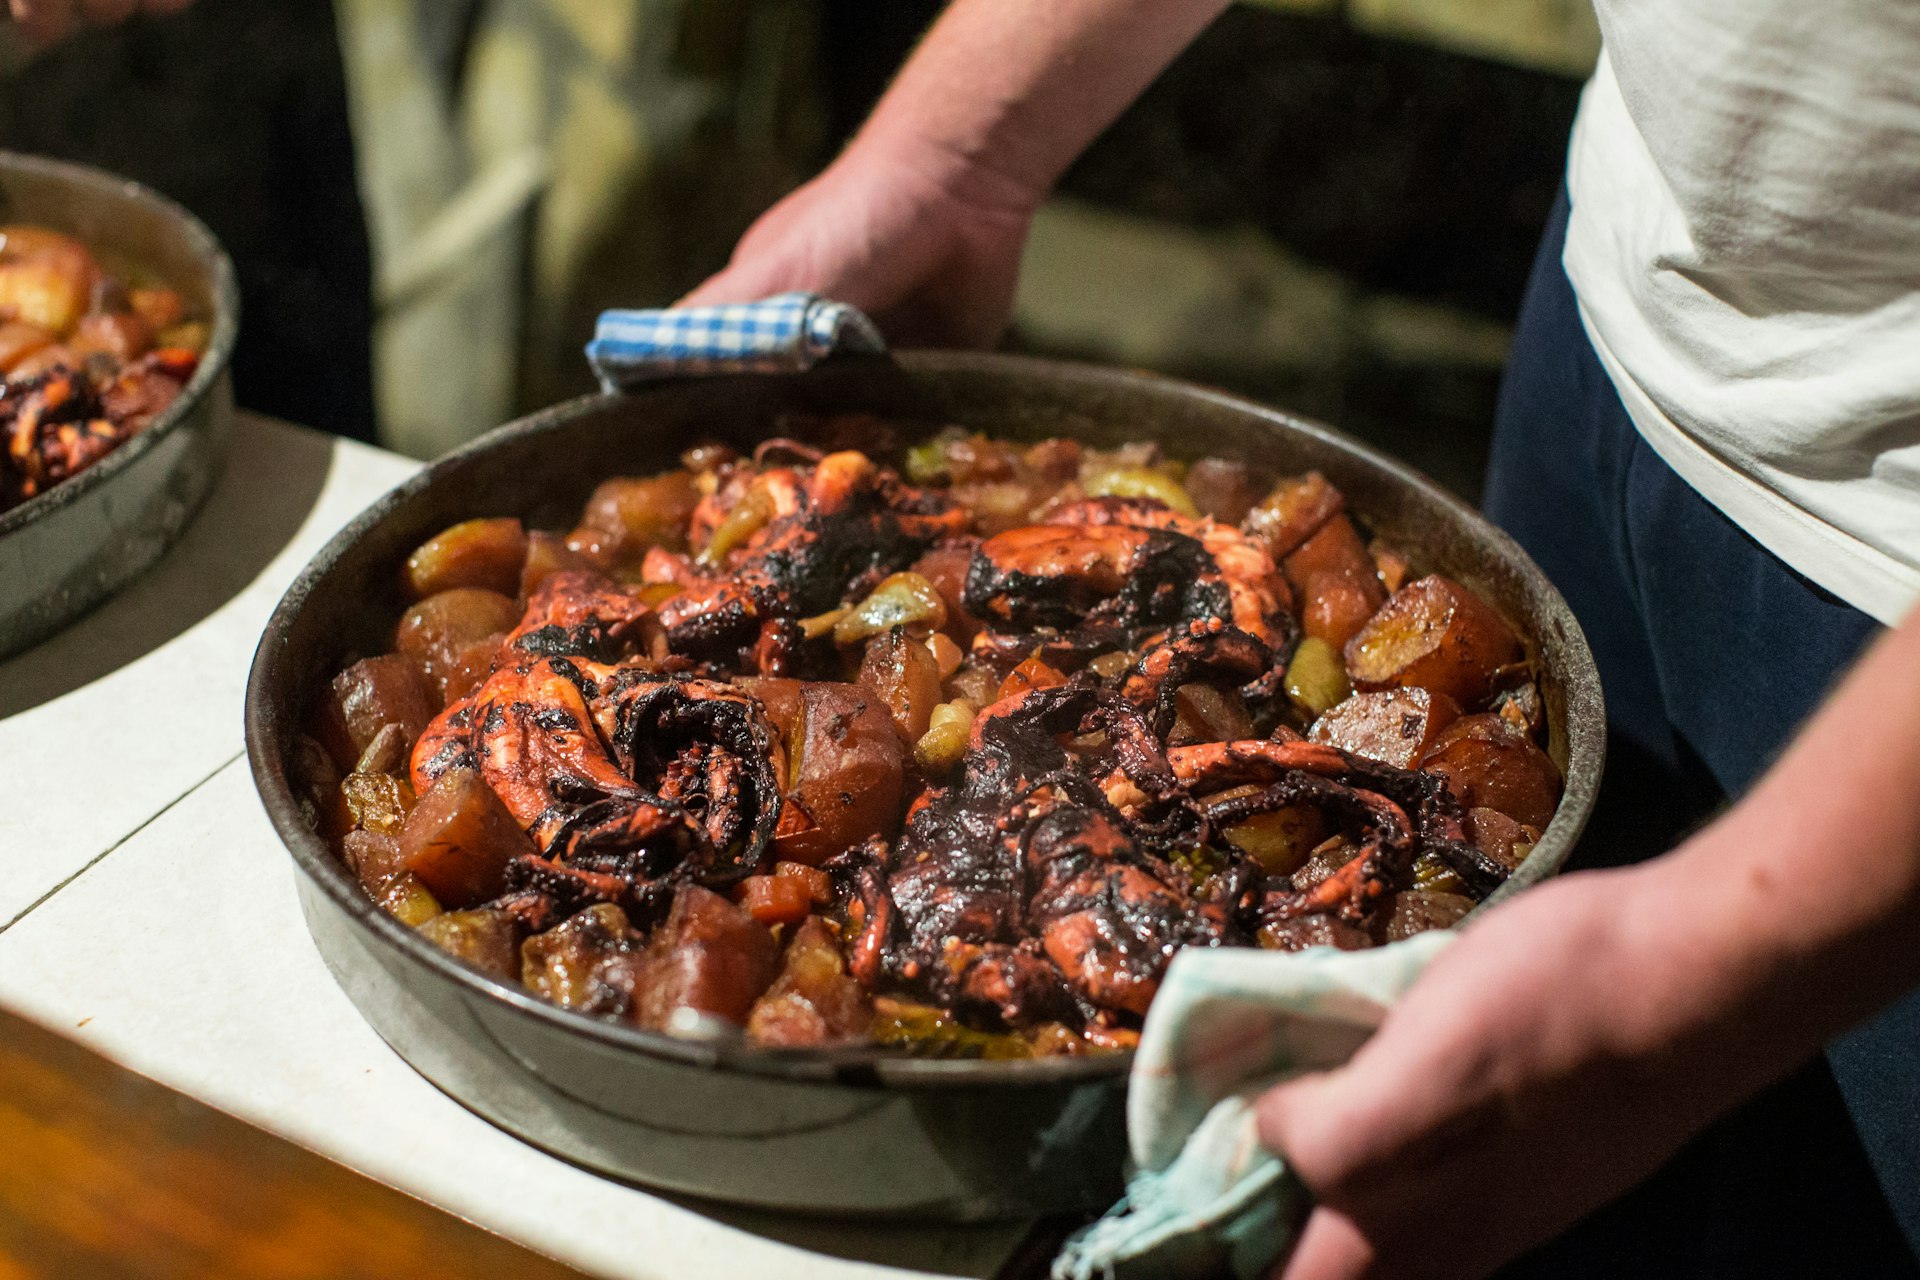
1711, 652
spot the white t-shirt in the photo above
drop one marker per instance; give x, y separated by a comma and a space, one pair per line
1745, 245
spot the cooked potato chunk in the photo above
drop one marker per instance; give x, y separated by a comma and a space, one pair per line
548, 554
903, 672
709, 957
1338, 603
439, 631
366, 697
1394, 726
473, 553
1335, 548
637, 512
1488, 765
1418, 910
589, 962
460, 838
1221, 489
1294, 512
844, 765
1436, 634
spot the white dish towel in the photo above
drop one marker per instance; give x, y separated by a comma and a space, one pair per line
1205, 1198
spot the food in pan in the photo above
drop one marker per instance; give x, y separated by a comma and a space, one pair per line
953, 757
90, 358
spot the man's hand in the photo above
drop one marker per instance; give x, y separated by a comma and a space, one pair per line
1529, 1076
45, 22
921, 221
929, 251
1575, 1037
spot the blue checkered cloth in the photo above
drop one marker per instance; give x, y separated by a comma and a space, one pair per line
781, 334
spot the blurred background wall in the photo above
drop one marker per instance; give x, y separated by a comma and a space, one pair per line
1329, 204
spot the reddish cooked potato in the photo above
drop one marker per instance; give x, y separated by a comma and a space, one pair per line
1338, 604
459, 839
814, 1000
946, 568
1487, 765
439, 632
903, 673
1436, 634
774, 899
1294, 512
1334, 549
1221, 489
1394, 726
844, 765
373, 856
368, 696
708, 956
548, 554
1500, 837
473, 553
120, 334
636, 512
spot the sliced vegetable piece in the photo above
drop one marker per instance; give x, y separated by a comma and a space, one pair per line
460, 838
774, 899
1487, 764
941, 747
902, 600
1338, 604
474, 553
708, 958
1436, 634
369, 695
1294, 512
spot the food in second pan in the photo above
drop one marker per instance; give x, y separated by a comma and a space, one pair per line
90, 358
953, 757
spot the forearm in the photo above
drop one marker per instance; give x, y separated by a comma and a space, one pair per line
1798, 913
1003, 94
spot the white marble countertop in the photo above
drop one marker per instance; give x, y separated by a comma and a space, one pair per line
148, 910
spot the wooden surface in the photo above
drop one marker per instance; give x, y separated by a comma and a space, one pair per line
105, 1173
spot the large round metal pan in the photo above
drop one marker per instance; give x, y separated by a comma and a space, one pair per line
65, 550
850, 1131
